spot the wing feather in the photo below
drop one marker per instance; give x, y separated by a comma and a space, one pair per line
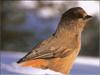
43, 51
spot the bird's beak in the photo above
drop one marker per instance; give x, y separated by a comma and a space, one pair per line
88, 17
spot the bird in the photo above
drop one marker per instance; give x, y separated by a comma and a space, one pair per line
59, 51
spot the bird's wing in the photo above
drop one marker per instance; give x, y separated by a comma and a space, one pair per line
43, 51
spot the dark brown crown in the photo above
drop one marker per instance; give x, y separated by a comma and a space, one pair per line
76, 12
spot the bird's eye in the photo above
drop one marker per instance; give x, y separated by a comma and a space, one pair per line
80, 16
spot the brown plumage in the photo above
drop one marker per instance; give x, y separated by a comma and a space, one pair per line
60, 50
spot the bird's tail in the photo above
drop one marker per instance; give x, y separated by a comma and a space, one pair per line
21, 60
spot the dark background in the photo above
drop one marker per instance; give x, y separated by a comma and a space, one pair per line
25, 23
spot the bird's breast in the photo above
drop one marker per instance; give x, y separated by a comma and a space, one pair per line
70, 41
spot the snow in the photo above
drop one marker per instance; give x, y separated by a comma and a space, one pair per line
82, 66
26, 70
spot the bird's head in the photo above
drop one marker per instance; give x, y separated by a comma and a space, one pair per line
75, 18
76, 13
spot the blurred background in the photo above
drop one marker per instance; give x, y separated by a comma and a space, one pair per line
25, 23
